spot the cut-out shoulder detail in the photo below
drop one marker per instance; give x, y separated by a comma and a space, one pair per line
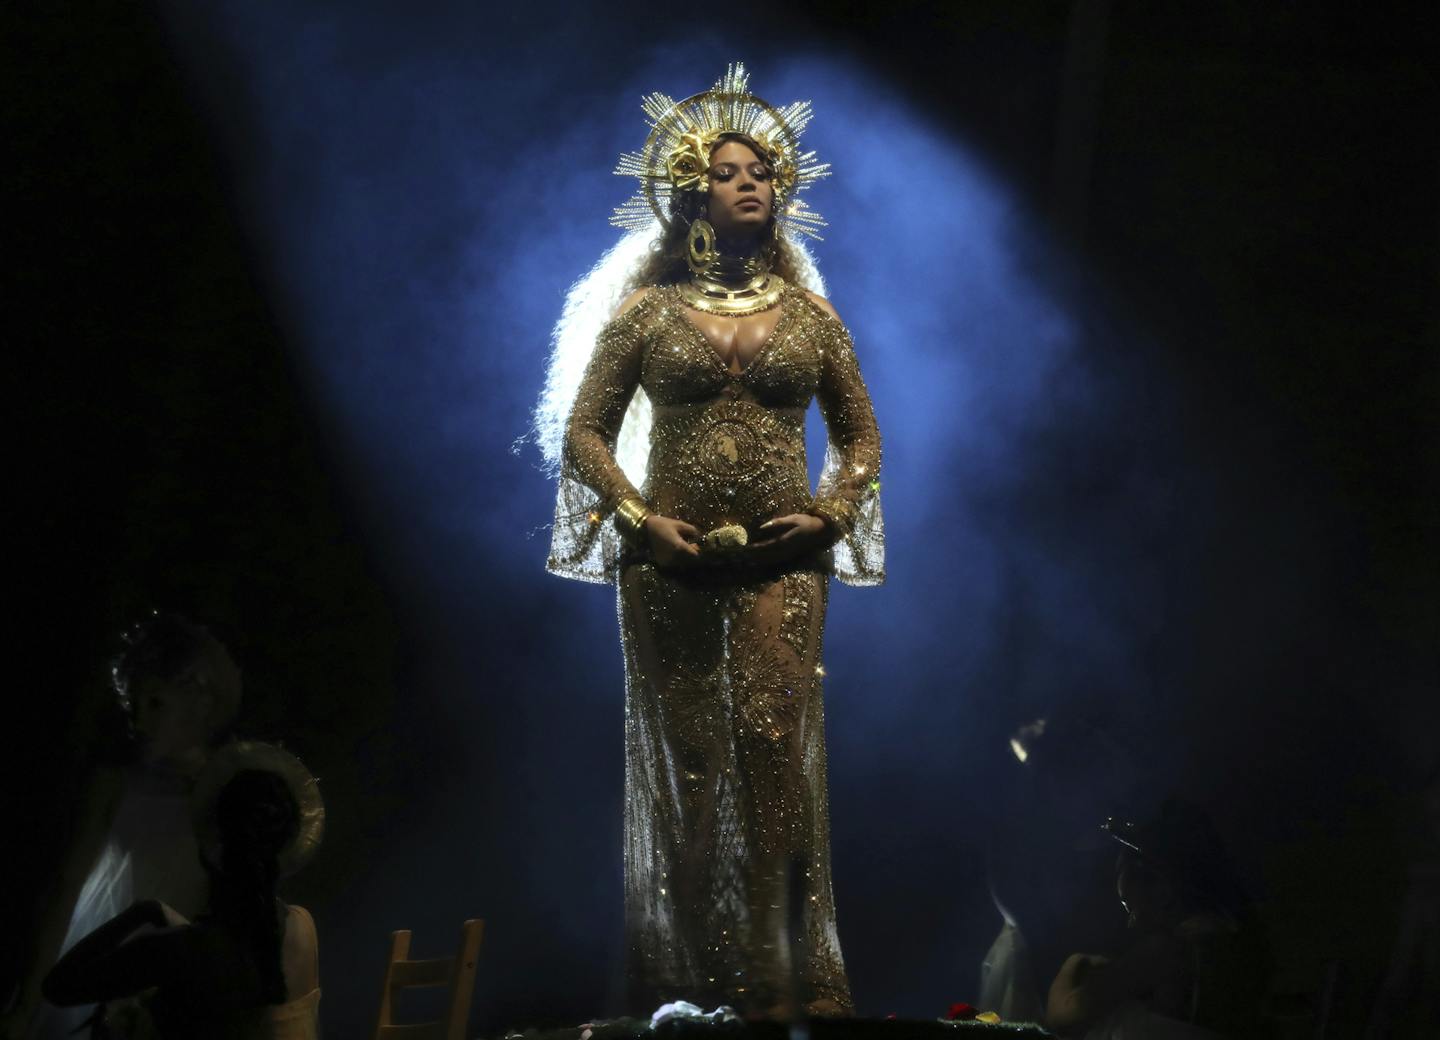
824, 304
633, 299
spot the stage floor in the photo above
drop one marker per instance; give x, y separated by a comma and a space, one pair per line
818, 1029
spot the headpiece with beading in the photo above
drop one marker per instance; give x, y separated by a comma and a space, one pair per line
676, 155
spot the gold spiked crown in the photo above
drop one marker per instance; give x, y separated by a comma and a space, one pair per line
676, 155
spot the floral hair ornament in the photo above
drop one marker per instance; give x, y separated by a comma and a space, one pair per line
676, 155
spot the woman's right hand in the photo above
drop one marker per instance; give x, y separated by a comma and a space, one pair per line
673, 543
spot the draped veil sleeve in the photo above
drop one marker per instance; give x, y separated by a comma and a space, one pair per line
848, 495
584, 544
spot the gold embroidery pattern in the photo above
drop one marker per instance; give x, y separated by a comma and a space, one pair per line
724, 725
795, 619
733, 463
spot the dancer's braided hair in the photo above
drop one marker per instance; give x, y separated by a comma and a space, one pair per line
257, 817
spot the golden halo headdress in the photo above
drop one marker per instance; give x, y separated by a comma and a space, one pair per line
676, 155
253, 754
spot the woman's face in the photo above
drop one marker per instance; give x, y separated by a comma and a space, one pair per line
741, 193
171, 720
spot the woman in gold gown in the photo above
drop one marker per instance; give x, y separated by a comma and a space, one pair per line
722, 557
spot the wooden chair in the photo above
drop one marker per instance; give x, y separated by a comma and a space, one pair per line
457, 972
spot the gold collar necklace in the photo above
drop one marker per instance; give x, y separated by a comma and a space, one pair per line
733, 286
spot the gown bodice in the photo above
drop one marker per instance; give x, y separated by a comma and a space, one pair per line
726, 446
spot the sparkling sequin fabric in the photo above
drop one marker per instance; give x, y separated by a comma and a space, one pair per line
724, 720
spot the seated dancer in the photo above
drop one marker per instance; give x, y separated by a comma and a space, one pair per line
1197, 965
248, 967
133, 838
1044, 860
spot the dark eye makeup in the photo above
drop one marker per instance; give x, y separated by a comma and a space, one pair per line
725, 171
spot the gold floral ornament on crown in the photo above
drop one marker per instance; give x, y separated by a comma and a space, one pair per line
676, 155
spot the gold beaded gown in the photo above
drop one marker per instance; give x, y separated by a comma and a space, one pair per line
724, 724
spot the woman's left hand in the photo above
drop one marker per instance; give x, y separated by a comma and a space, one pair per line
788, 536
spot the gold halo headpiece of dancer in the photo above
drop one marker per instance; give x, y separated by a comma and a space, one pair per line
242, 755
676, 155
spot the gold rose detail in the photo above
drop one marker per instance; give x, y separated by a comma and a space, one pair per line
688, 162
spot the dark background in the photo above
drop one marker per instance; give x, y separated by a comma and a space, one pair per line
1254, 185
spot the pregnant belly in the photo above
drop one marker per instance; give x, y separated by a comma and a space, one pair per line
733, 463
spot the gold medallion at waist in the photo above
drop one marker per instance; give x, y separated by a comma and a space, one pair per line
728, 439
728, 448
729, 462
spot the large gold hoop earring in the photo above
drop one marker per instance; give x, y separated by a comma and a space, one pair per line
700, 245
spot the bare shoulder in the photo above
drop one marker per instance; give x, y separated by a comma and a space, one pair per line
633, 300
299, 930
824, 304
